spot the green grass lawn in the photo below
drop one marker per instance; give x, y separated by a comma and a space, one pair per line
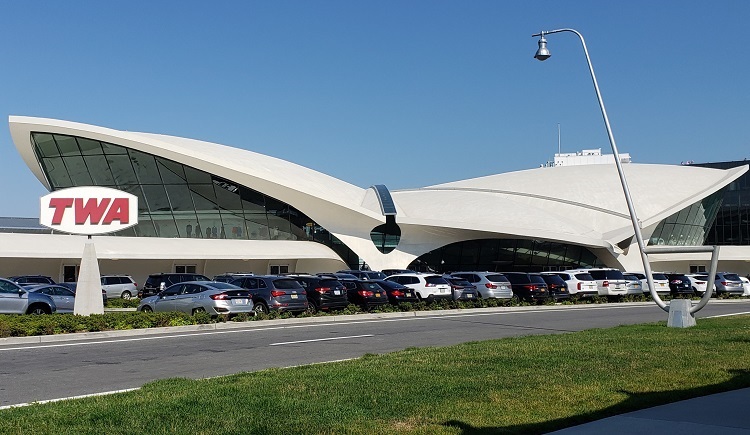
529, 384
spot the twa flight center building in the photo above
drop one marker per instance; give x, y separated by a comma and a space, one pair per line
212, 209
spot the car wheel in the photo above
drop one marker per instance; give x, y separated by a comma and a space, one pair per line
126, 295
311, 307
261, 308
147, 309
198, 310
39, 309
516, 298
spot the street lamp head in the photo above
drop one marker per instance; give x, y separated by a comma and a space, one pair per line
543, 52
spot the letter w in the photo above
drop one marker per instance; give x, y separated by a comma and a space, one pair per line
91, 210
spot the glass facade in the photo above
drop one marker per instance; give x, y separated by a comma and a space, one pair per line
505, 255
175, 200
732, 224
689, 226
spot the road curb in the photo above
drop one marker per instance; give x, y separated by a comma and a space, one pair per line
83, 336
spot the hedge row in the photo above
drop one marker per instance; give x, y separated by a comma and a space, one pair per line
30, 325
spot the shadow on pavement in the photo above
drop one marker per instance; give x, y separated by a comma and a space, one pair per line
634, 402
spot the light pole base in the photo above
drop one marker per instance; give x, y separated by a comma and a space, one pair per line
679, 314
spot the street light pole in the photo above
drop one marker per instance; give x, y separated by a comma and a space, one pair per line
544, 54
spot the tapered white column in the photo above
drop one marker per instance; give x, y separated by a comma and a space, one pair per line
89, 290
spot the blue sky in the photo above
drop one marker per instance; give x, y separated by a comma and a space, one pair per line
402, 93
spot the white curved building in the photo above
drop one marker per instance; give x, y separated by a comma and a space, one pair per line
216, 209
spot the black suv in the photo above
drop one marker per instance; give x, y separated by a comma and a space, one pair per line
366, 294
527, 286
274, 292
154, 281
558, 288
679, 284
323, 294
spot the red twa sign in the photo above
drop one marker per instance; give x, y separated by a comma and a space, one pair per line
89, 210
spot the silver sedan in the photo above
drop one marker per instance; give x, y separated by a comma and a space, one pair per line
194, 297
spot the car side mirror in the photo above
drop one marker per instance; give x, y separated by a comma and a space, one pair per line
21, 292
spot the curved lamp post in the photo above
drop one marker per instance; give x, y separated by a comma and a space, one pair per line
543, 54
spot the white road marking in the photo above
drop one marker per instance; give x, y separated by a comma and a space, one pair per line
319, 339
727, 315
83, 396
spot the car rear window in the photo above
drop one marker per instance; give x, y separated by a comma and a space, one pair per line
459, 281
497, 278
224, 285
584, 277
732, 277
330, 283
554, 279
286, 284
367, 285
537, 279
375, 275
659, 276
607, 274
198, 278
435, 280
518, 278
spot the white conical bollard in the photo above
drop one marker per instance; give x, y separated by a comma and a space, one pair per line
89, 289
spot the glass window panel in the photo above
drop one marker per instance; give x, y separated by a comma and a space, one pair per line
227, 200
122, 170
279, 229
180, 198
45, 144
136, 190
67, 145
234, 225
157, 199
89, 147
145, 167
109, 148
165, 225
204, 197
171, 172
145, 227
56, 172
187, 224
99, 170
195, 176
79, 173
210, 224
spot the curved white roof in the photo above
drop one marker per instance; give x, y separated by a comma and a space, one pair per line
575, 204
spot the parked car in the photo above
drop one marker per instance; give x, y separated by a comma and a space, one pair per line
119, 286
580, 284
609, 282
462, 289
230, 276
365, 274
338, 275
323, 294
194, 297
557, 287
488, 284
367, 294
427, 286
728, 284
274, 292
634, 285
63, 295
15, 299
389, 272
660, 280
528, 286
159, 281
679, 284
699, 282
24, 280
397, 293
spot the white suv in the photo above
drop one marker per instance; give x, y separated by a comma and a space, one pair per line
609, 282
488, 284
119, 286
661, 282
580, 284
427, 286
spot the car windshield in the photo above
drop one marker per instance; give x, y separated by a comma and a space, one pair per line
497, 278
286, 284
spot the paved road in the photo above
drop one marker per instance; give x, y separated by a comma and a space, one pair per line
51, 370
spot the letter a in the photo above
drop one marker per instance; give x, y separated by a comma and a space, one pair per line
120, 210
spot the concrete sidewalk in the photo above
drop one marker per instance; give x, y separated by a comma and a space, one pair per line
717, 414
